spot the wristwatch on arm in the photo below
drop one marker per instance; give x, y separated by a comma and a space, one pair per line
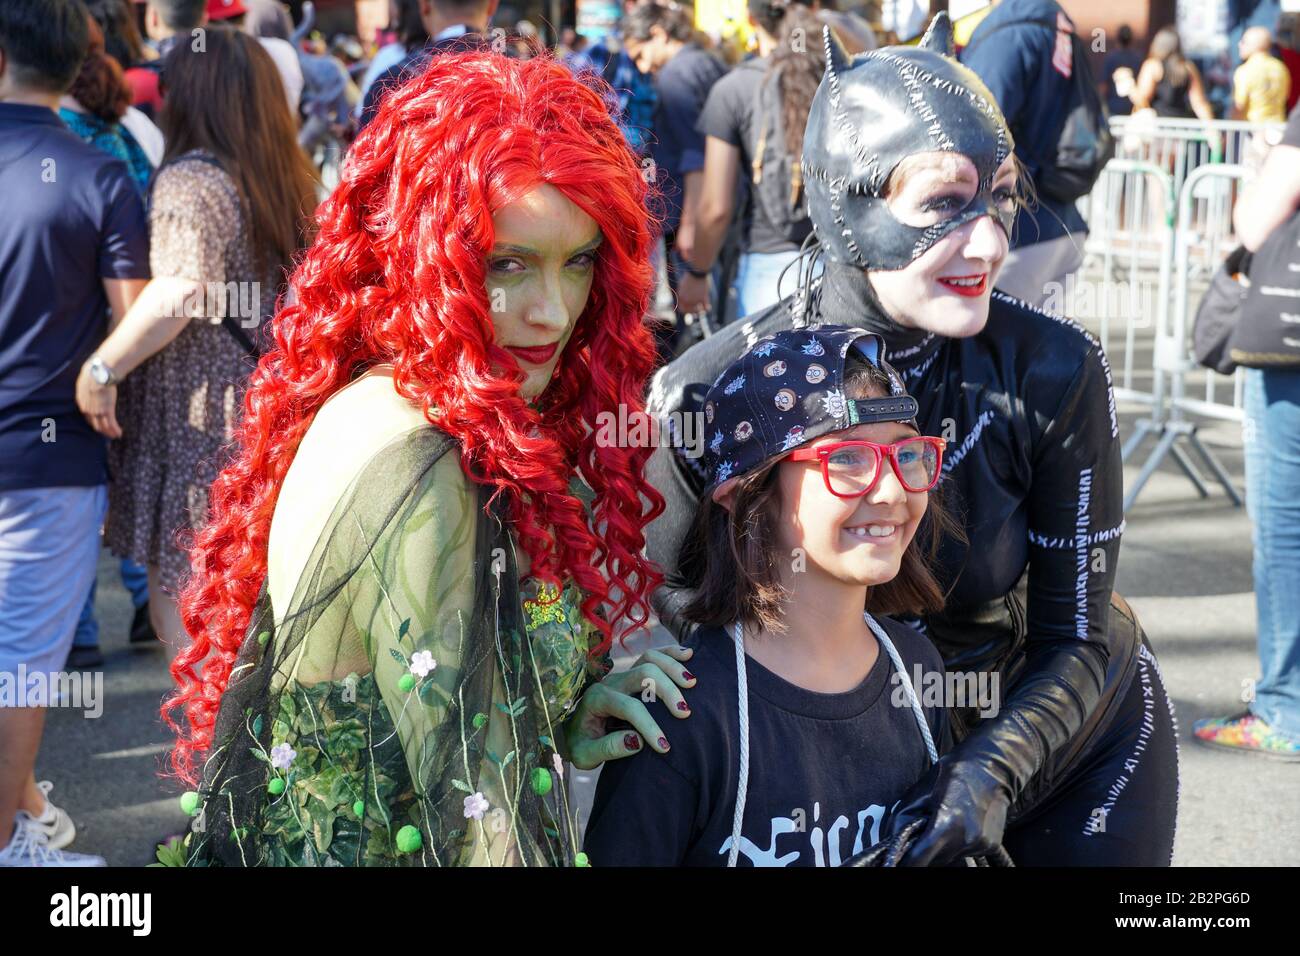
101, 372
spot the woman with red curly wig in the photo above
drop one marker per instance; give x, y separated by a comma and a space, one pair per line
399, 599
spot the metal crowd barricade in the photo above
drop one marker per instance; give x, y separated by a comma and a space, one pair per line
1160, 224
1130, 215
1173, 362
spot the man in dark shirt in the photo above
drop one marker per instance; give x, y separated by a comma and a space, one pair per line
1113, 65
658, 37
73, 246
452, 26
1027, 64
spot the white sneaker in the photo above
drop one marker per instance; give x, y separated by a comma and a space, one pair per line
28, 847
55, 823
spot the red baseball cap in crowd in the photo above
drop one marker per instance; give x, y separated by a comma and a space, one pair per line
225, 9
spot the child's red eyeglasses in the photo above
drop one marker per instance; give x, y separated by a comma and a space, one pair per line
852, 468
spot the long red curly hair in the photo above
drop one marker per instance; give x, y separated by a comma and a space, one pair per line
397, 275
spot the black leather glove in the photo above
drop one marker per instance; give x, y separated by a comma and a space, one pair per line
965, 812
965, 797
667, 603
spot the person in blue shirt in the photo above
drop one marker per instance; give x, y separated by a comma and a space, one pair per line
1028, 68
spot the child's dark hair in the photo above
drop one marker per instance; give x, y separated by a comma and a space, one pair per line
730, 556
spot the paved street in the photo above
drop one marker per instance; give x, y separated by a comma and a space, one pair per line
1185, 567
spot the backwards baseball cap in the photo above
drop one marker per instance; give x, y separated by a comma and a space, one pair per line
787, 390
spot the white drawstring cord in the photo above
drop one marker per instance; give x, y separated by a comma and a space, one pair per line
742, 684
907, 685
742, 694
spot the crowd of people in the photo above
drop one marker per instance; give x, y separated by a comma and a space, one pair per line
244, 386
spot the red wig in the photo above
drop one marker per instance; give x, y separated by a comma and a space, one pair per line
397, 275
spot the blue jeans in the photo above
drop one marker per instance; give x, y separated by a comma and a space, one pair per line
757, 276
1272, 444
134, 578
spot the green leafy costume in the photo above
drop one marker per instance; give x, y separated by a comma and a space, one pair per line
406, 710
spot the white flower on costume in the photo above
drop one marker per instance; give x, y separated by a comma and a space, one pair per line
282, 756
475, 806
421, 663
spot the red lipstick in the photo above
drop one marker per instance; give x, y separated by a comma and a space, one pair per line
964, 286
535, 355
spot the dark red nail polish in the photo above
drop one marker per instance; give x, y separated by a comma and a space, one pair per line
663, 742
688, 675
632, 741
682, 705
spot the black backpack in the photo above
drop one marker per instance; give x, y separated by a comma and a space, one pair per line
776, 180
1085, 144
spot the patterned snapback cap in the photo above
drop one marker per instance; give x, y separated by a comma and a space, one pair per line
787, 390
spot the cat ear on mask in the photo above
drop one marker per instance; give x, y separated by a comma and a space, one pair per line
938, 38
837, 58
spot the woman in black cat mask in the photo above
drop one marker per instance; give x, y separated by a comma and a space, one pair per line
912, 188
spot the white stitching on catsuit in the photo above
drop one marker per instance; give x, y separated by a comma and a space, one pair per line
1173, 722
1145, 658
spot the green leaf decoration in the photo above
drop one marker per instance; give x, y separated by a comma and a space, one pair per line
171, 854
398, 656
545, 741
462, 785
257, 726
403, 628
509, 757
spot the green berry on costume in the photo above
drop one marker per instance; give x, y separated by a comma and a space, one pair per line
276, 786
409, 839
263, 638
406, 683
359, 808
541, 781
581, 860
189, 802
479, 720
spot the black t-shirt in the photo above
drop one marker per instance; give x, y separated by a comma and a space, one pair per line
682, 86
732, 114
1114, 61
824, 769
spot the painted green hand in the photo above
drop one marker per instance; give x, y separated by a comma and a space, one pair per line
657, 674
